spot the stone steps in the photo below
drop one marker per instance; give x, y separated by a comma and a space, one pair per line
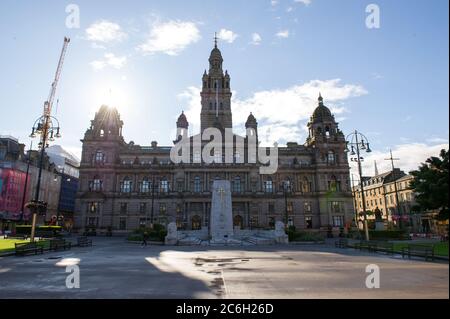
260, 240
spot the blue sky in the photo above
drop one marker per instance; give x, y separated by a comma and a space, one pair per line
147, 58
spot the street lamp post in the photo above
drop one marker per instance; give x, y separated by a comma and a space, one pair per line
48, 128
357, 141
48, 131
399, 212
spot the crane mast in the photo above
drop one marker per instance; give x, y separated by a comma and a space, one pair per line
49, 103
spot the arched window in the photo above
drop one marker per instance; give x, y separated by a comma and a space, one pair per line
125, 185
210, 105
145, 185
99, 157
268, 185
96, 184
227, 84
102, 133
197, 184
334, 185
305, 185
327, 131
331, 158
164, 185
237, 184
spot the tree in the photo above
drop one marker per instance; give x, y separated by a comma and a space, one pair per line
430, 184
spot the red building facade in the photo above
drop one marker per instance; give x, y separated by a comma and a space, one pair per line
12, 183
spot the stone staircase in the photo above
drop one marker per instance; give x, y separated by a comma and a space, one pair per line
190, 241
256, 240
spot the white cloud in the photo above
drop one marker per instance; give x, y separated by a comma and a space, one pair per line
282, 34
274, 2
281, 113
305, 2
227, 35
256, 39
437, 140
109, 60
170, 37
105, 31
410, 156
289, 9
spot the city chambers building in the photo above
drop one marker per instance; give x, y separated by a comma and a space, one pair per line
124, 186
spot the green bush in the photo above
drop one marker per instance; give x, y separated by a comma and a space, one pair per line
158, 233
304, 236
388, 234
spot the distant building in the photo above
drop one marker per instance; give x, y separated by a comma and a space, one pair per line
67, 167
14, 184
379, 191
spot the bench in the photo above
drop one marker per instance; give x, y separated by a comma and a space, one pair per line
83, 241
419, 251
363, 244
59, 244
383, 246
27, 248
341, 243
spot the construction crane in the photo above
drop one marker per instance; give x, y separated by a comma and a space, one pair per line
49, 103
47, 126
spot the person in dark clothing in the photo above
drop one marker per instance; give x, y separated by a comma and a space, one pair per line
144, 239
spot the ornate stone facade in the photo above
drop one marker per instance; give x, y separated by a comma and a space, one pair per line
123, 185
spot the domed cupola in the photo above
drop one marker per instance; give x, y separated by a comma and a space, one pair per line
182, 121
321, 113
215, 58
251, 122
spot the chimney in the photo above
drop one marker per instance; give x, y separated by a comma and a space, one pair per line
154, 144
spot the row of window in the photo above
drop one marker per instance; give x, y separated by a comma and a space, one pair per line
94, 207
218, 157
388, 188
390, 200
145, 186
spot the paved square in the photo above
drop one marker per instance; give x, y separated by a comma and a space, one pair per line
113, 268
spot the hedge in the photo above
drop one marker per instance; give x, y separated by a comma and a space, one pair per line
158, 233
26, 229
304, 236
